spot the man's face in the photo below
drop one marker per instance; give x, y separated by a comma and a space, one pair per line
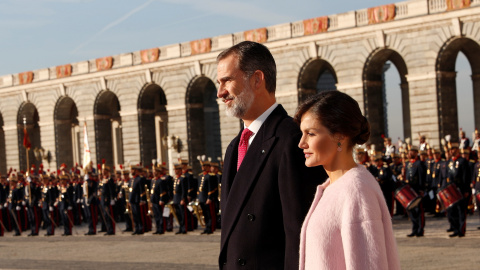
462, 135
234, 88
206, 168
413, 154
454, 151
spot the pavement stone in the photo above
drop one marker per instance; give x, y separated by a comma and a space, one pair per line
195, 251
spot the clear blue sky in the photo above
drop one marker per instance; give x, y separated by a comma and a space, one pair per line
37, 34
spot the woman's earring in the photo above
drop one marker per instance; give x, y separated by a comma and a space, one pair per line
339, 148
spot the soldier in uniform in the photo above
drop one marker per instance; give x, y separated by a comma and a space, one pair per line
476, 180
107, 199
15, 203
464, 141
458, 173
215, 168
208, 197
144, 200
423, 143
119, 207
476, 141
383, 175
191, 220
124, 195
397, 167
137, 188
160, 197
180, 200
78, 213
4, 191
389, 149
415, 175
35, 205
48, 199
90, 189
66, 201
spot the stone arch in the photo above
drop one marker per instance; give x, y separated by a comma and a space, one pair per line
315, 76
3, 151
374, 93
67, 138
108, 129
203, 121
152, 124
446, 83
27, 118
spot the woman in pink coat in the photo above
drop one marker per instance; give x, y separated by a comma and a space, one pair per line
348, 225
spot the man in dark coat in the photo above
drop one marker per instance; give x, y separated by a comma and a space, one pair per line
160, 197
415, 176
137, 188
266, 192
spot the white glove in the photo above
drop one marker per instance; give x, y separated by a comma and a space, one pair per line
24, 203
5, 205
69, 208
112, 202
78, 200
39, 204
55, 204
50, 209
18, 208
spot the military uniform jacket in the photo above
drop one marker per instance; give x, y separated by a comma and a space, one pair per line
458, 173
138, 187
16, 198
265, 202
4, 191
78, 191
46, 197
108, 189
383, 175
192, 185
207, 187
159, 191
180, 189
92, 188
438, 173
36, 190
476, 176
66, 196
415, 175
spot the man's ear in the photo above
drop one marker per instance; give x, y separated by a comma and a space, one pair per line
258, 78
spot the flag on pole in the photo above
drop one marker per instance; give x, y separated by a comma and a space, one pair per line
86, 149
26, 139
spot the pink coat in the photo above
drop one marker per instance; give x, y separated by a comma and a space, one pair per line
348, 226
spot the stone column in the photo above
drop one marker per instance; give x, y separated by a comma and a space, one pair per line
47, 137
129, 138
407, 123
476, 99
447, 101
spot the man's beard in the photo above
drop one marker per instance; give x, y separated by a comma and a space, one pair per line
240, 104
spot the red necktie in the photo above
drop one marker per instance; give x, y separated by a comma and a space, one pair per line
242, 146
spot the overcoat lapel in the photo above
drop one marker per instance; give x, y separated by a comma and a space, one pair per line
243, 181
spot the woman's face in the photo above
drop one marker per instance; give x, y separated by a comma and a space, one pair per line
317, 143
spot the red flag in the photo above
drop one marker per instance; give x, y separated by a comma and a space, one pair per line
26, 139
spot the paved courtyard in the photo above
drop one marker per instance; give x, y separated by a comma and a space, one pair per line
195, 251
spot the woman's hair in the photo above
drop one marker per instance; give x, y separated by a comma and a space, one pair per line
339, 113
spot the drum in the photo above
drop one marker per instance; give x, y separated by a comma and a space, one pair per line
449, 196
407, 197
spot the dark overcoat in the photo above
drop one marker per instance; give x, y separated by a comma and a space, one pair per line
265, 202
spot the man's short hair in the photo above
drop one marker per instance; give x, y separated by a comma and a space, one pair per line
254, 56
